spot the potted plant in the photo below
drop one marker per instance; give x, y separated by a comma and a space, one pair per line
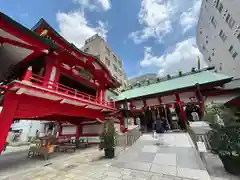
224, 138
107, 139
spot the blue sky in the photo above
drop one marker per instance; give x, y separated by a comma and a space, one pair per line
149, 35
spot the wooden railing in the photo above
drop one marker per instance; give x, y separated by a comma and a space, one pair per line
65, 90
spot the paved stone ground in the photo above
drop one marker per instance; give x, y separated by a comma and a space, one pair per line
173, 154
88, 165
174, 158
11, 149
215, 168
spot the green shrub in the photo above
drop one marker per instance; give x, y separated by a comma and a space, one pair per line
224, 137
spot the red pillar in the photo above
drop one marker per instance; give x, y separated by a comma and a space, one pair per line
51, 72
10, 104
99, 93
181, 105
103, 94
28, 74
78, 131
122, 124
60, 130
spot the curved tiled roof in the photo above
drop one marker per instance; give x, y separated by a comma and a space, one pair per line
177, 83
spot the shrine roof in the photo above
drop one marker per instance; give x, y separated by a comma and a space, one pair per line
44, 24
177, 83
24, 30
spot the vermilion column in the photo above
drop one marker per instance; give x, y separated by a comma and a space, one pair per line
78, 131
51, 72
99, 95
181, 105
28, 74
10, 104
122, 123
60, 130
103, 94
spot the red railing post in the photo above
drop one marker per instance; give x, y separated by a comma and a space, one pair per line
28, 74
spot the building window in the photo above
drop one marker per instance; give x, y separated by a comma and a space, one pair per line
204, 47
206, 39
233, 52
219, 6
86, 49
115, 58
120, 63
222, 35
230, 21
220, 68
115, 68
238, 36
108, 51
214, 22
210, 59
213, 53
107, 61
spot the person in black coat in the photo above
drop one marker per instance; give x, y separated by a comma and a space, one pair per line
159, 126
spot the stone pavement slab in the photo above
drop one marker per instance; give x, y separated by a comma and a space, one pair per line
172, 154
89, 165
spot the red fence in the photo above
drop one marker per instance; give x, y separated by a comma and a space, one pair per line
65, 90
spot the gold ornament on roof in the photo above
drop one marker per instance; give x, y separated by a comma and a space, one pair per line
44, 32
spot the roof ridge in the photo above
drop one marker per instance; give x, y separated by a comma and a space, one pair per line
166, 78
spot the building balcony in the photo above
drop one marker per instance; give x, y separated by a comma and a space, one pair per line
37, 86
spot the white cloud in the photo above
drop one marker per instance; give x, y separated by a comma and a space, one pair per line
189, 18
155, 16
94, 4
183, 57
159, 17
76, 29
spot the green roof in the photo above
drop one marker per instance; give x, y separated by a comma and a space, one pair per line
181, 82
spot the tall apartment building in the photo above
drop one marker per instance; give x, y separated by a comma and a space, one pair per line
218, 35
96, 46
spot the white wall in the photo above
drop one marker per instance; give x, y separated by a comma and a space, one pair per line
222, 57
28, 127
92, 129
69, 130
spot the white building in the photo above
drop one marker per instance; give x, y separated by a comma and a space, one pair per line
218, 35
22, 130
96, 46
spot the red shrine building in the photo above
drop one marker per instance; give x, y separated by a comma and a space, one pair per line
175, 97
44, 77
47, 78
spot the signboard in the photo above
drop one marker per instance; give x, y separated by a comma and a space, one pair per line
152, 102
138, 104
168, 99
188, 97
